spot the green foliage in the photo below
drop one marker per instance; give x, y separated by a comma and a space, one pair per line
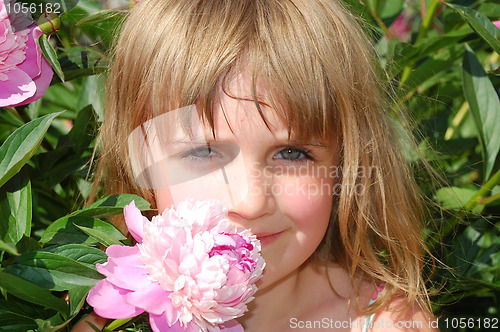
446, 67
485, 107
443, 66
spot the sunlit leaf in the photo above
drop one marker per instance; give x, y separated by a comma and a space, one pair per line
50, 54
21, 145
77, 297
434, 65
9, 248
452, 198
15, 204
59, 268
481, 24
485, 107
113, 205
100, 236
65, 230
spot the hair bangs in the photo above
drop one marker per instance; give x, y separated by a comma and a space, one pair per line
204, 57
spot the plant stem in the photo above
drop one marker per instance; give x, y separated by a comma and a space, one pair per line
374, 14
483, 191
426, 24
486, 201
457, 120
429, 15
116, 324
475, 200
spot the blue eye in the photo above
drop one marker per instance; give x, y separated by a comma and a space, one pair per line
293, 154
199, 153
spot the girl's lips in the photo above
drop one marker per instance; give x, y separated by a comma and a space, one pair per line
268, 238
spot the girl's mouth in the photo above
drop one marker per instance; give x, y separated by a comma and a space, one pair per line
268, 238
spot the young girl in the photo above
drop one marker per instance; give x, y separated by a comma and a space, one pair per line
282, 97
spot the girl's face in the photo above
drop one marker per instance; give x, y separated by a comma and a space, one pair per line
288, 196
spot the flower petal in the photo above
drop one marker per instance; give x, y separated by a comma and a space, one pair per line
42, 82
152, 298
160, 324
16, 88
123, 268
108, 301
31, 65
231, 326
42, 73
135, 221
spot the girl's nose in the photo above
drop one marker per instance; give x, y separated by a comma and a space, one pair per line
258, 200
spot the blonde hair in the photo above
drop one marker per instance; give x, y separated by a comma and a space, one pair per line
318, 70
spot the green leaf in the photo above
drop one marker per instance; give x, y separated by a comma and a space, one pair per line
100, 236
16, 208
483, 265
101, 26
27, 244
77, 297
16, 316
388, 9
61, 97
433, 44
84, 128
53, 324
481, 24
21, 145
30, 292
485, 107
9, 248
113, 205
50, 54
68, 166
34, 108
10, 117
436, 64
452, 198
85, 255
490, 9
116, 324
95, 328
65, 230
92, 94
61, 230
78, 62
59, 268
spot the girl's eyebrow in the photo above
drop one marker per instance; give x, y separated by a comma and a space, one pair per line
208, 140
189, 141
310, 143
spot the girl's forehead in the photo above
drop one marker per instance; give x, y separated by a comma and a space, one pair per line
241, 119
244, 87
243, 105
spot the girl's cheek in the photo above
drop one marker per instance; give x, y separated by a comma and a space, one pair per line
164, 199
304, 198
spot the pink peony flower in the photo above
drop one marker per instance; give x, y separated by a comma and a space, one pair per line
497, 23
191, 270
24, 73
401, 27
